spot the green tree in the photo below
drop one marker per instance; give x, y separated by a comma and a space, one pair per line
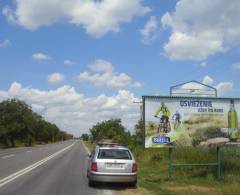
3, 136
85, 137
19, 123
138, 137
110, 129
15, 118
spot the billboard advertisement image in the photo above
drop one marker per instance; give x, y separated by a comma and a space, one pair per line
189, 121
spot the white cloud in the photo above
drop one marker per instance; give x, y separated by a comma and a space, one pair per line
3, 95
203, 64
5, 43
185, 46
150, 30
55, 78
102, 74
68, 62
73, 111
207, 80
96, 17
38, 108
101, 66
136, 84
202, 28
40, 56
9, 14
236, 66
224, 88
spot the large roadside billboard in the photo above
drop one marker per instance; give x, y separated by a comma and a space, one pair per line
189, 121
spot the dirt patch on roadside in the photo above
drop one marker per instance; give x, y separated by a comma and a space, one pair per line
138, 191
192, 189
175, 189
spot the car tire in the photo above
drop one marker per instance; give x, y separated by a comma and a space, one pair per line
133, 184
91, 183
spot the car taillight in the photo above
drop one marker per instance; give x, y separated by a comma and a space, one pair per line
134, 167
94, 167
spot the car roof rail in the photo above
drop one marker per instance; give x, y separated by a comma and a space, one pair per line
109, 143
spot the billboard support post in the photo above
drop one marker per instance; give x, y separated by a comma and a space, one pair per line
218, 163
171, 165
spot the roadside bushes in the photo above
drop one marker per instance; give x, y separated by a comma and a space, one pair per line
85, 137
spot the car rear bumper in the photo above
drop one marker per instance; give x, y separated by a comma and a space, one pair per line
112, 178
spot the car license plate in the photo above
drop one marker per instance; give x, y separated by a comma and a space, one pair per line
114, 165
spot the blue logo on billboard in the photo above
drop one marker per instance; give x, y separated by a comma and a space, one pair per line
160, 140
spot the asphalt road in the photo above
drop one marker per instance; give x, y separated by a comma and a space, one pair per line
53, 169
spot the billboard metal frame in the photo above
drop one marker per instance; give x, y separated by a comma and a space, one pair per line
172, 165
204, 92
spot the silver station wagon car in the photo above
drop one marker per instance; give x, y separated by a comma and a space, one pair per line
111, 162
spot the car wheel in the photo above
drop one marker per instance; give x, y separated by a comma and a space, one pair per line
133, 184
91, 183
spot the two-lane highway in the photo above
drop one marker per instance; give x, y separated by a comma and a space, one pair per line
53, 169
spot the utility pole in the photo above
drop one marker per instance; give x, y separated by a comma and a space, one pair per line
141, 108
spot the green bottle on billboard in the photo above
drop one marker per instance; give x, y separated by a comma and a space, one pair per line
232, 122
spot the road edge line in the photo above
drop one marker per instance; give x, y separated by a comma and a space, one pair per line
86, 148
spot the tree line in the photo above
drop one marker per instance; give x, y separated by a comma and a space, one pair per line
20, 124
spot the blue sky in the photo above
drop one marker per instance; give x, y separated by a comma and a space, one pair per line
115, 51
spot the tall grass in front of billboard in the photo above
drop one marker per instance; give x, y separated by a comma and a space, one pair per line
153, 164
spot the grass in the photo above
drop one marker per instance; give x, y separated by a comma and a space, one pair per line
152, 172
90, 145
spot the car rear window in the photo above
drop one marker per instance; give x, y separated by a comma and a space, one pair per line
114, 154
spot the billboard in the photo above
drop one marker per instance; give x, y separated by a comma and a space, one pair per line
189, 121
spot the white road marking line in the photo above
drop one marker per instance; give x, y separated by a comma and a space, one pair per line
8, 156
108, 192
29, 151
13, 176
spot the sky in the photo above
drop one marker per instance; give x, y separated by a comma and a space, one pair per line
79, 62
